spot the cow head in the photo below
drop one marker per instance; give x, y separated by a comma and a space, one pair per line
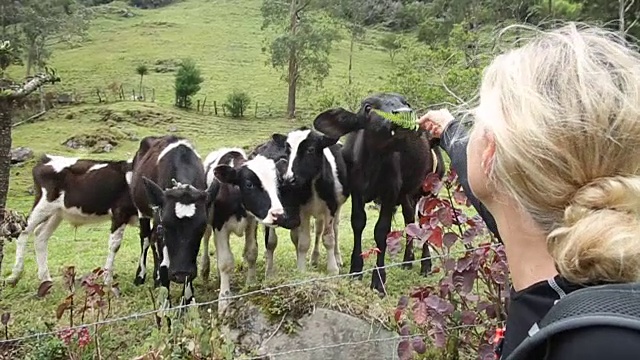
337, 122
183, 216
258, 183
305, 153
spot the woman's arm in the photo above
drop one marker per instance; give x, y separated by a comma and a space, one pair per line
457, 151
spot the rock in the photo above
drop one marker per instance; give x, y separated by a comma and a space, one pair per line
326, 328
322, 335
21, 154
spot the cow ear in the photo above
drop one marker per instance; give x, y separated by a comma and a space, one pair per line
226, 174
326, 141
281, 166
212, 191
279, 139
337, 122
155, 195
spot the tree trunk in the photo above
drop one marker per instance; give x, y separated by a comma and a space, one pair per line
293, 62
621, 5
353, 40
5, 160
141, 76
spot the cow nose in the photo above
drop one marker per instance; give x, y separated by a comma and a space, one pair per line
276, 213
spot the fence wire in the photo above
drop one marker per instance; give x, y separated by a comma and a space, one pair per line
136, 316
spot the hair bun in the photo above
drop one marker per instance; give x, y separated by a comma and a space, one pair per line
600, 238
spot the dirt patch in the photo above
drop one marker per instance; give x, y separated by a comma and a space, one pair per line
101, 140
138, 117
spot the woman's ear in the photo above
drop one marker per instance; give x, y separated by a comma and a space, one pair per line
489, 152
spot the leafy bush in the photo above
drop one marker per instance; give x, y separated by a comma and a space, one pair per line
460, 313
237, 103
188, 80
151, 4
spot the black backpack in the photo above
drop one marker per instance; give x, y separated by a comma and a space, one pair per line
609, 305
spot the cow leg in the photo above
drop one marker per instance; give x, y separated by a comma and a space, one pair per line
38, 216
319, 228
145, 240
250, 252
115, 239
408, 213
358, 222
336, 225
163, 270
382, 229
425, 262
41, 246
270, 243
329, 241
206, 267
225, 266
304, 241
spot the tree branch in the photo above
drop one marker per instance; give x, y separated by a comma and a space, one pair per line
634, 23
30, 86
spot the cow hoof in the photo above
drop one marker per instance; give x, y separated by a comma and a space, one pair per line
138, 281
356, 276
11, 281
156, 283
408, 266
44, 288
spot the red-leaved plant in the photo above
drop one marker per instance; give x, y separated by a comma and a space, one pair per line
460, 313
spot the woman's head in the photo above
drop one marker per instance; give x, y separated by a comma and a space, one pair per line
558, 132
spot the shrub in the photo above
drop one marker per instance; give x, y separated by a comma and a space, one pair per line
461, 312
150, 4
188, 80
237, 103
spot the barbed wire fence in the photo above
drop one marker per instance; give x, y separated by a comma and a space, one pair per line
141, 315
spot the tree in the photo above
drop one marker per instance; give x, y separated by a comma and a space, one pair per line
391, 42
142, 70
9, 94
188, 80
303, 43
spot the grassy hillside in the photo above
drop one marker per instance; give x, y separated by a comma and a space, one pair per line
225, 39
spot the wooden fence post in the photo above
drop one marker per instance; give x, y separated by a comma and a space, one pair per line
255, 113
204, 103
215, 107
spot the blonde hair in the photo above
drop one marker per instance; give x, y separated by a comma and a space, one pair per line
568, 146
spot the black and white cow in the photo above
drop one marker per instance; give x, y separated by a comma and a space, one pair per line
386, 163
247, 194
315, 183
80, 191
168, 184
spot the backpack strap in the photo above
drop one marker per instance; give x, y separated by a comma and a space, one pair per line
605, 305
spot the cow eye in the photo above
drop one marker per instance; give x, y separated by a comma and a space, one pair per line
248, 184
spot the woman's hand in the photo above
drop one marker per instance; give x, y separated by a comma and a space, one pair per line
435, 121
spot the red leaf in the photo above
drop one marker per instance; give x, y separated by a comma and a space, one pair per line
397, 314
422, 293
427, 205
460, 197
439, 337
449, 239
439, 304
436, 237
413, 230
404, 330
418, 345
405, 351
420, 312
445, 215
468, 317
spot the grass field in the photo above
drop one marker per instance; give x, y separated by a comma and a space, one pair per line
225, 39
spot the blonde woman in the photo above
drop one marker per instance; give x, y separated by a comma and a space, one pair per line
554, 155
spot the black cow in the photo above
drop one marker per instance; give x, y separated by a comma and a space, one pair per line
386, 164
313, 185
248, 193
168, 185
65, 189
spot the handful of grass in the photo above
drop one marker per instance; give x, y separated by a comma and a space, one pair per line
405, 119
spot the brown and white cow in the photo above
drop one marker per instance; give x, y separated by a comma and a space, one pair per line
80, 191
168, 184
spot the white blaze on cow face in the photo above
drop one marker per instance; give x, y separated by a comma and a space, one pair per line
97, 167
174, 145
294, 139
59, 163
265, 170
185, 210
